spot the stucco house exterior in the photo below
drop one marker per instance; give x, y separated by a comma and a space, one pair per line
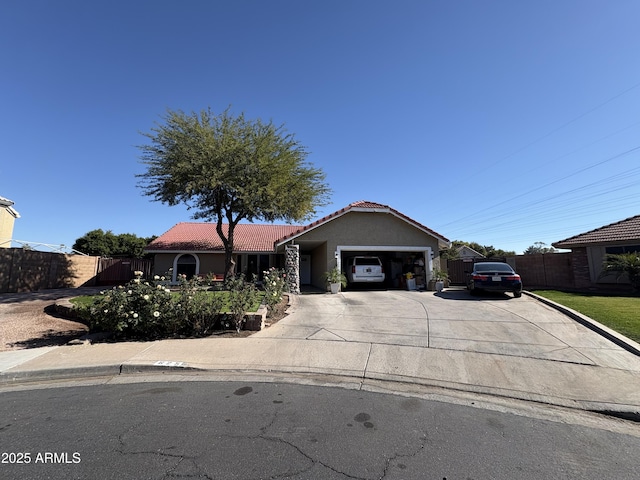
589, 249
361, 228
8, 216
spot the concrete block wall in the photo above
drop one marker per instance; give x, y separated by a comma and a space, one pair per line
27, 270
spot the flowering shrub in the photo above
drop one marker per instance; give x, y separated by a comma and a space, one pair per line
195, 310
241, 296
139, 308
274, 284
147, 309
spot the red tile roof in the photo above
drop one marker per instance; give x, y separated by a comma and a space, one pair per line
622, 231
192, 236
247, 237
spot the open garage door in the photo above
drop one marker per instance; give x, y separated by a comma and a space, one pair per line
396, 260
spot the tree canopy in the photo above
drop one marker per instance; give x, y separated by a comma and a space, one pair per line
489, 251
107, 244
539, 247
230, 168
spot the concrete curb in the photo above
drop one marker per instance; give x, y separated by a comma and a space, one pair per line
617, 338
391, 383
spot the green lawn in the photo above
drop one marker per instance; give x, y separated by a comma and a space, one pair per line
620, 313
87, 300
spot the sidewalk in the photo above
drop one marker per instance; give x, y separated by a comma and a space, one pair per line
569, 385
562, 383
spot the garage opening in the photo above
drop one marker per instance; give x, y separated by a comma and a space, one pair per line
397, 262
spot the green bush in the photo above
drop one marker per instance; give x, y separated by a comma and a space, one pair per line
138, 309
148, 309
242, 295
274, 285
195, 310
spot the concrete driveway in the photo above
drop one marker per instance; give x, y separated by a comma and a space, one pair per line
452, 321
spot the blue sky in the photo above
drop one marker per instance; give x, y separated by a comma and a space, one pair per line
500, 122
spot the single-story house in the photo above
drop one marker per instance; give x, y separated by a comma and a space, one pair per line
8, 216
589, 249
361, 228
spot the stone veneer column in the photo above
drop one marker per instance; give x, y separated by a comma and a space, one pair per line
292, 267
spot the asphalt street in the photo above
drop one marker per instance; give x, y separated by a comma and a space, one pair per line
253, 430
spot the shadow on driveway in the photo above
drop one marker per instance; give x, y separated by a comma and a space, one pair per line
463, 294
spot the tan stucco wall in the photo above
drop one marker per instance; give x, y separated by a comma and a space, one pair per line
6, 228
361, 228
319, 265
209, 262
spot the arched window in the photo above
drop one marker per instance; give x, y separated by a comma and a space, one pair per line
186, 264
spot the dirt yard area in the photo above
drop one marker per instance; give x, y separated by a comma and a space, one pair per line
24, 323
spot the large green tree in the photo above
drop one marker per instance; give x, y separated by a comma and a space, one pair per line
488, 251
538, 247
107, 244
229, 168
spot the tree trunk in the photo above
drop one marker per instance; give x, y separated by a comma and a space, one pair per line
227, 241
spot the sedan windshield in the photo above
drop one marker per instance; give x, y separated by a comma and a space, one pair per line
493, 267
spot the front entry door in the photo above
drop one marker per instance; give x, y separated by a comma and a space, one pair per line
305, 269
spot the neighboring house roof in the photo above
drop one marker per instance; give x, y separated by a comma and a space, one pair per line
627, 230
364, 206
8, 206
192, 236
248, 237
465, 251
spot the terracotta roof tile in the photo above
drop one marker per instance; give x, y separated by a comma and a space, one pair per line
624, 230
192, 236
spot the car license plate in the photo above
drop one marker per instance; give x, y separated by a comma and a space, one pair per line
368, 270
496, 279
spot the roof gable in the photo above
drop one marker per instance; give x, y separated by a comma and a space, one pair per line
363, 206
467, 251
198, 236
8, 206
622, 231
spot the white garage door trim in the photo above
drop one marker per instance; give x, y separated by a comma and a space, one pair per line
428, 256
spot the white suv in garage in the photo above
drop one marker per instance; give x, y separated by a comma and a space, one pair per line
365, 269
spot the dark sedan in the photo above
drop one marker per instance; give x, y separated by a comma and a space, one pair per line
494, 277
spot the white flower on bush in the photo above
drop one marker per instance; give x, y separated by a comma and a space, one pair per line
106, 310
136, 280
129, 292
138, 273
135, 315
146, 297
156, 277
156, 314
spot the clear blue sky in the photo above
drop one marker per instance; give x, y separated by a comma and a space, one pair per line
500, 122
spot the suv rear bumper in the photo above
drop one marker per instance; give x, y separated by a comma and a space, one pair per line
367, 278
